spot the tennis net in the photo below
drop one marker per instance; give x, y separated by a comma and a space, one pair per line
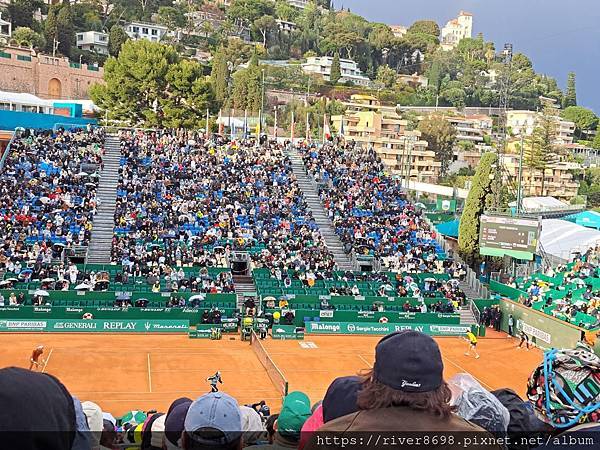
276, 376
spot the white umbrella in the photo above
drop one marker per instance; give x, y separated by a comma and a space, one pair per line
47, 280
41, 293
199, 297
44, 200
82, 286
5, 282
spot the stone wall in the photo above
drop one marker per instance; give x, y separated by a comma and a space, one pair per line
45, 76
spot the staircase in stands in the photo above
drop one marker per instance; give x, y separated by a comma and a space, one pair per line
102, 232
244, 286
466, 315
311, 195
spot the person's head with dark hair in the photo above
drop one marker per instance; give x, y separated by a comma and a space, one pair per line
213, 422
270, 426
340, 398
178, 402
174, 424
408, 371
37, 411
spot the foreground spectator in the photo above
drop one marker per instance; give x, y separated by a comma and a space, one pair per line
404, 392
37, 412
295, 411
213, 421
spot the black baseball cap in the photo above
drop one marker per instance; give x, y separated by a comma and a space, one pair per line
408, 361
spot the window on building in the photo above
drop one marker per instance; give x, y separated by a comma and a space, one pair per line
154, 32
80, 37
144, 30
102, 38
136, 29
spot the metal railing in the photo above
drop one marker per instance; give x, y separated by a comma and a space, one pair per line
7, 149
475, 311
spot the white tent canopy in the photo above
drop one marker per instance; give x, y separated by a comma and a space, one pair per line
22, 98
535, 204
561, 238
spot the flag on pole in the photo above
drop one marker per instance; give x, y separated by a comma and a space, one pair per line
307, 127
275, 126
293, 126
258, 126
207, 123
342, 132
221, 124
245, 124
326, 130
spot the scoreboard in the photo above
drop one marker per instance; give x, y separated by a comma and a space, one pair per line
508, 236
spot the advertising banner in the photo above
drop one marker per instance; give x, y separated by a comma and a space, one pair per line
287, 332
383, 328
95, 326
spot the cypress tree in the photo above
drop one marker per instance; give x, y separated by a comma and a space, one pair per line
336, 69
481, 190
570, 98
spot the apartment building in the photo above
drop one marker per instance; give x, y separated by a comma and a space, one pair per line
93, 41
321, 65
558, 179
522, 121
370, 124
5, 29
143, 30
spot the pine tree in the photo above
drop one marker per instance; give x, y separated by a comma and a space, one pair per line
570, 98
336, 69
541, 150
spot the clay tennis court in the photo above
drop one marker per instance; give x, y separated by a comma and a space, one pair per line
124, 372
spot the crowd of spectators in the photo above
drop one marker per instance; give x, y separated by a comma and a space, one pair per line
369, 209
568, 294
405, 391
48, 196
185, 201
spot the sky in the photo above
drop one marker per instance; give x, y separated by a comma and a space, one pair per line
558, 35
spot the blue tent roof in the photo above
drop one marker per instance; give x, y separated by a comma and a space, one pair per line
449, 228
589, 219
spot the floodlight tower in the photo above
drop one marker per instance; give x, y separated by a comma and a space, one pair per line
504, 101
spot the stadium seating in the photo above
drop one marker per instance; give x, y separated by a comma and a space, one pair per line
370, 211
188, 203
48, 196
570, 293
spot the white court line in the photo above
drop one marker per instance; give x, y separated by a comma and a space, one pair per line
149, 374
261, 370
168, 392
466, 371
47, 359
137, 399
365, 361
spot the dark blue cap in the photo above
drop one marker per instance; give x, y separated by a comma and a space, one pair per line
340, 399
408, 361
